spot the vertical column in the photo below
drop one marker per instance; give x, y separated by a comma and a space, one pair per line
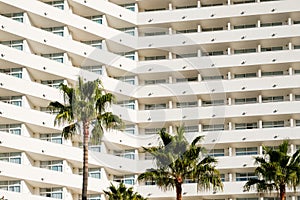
230, 126
260, 123
136, 7
290, 46
230, 151
290, 71
229, 26
230, 177
259, 73
136, 154
229, 51
229, 75
291, 97
170, 104
170, 6
198, 4
259, 48
229, 2
170, 55
199, 102
199, 29
170, 129
136, 56
170, 79
136, 104
292, 122
260, 150
229, 101
289, 21
199, 53
260, 98
136, 80
258, 23
199, 77
200, 127
170, 31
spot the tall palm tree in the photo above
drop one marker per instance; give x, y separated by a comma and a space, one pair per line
122, 193
177, 160
84, 107
276, 171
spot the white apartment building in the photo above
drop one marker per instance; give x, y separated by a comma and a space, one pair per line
226, 69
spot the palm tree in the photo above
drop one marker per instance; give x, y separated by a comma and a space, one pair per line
177, 160
122, 193
276, 171
83, 107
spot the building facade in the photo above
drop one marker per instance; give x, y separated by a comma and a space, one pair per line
225, 69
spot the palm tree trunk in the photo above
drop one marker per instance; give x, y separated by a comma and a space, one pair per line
282, 192
178, 191
85, 160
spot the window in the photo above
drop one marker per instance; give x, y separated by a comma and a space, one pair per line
126, 79
274, 73
129, 55
239, 51
271, 24
127, 104
155, 57
245, 100
213, 53
149, 131
130, 154
97, 18
154, 9
129, 6
296, 22
208, 78
297, 122
52, 137
95, 148
11, 128
58, 57
56, 4
16, 44
14, 100
245, 176
246, 198
246, 75
191, 129
214, 127
155, 33
241, 126
153, 82
52, 83
272, 99
127, 179
213, 103
273, 124
186, 104
185, 7
180, 80
94, 197
246, 151
18, 16
212, 4
212, 29
94, 43
95, 69
263, 49
56, 193
92, 172
12, 157
55, 30
155, 106
187, 31
13, 186
128, 30
187, 55
216, 152
130, 129
55, 165
296, 46
16, 72
244, 1
243, 26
